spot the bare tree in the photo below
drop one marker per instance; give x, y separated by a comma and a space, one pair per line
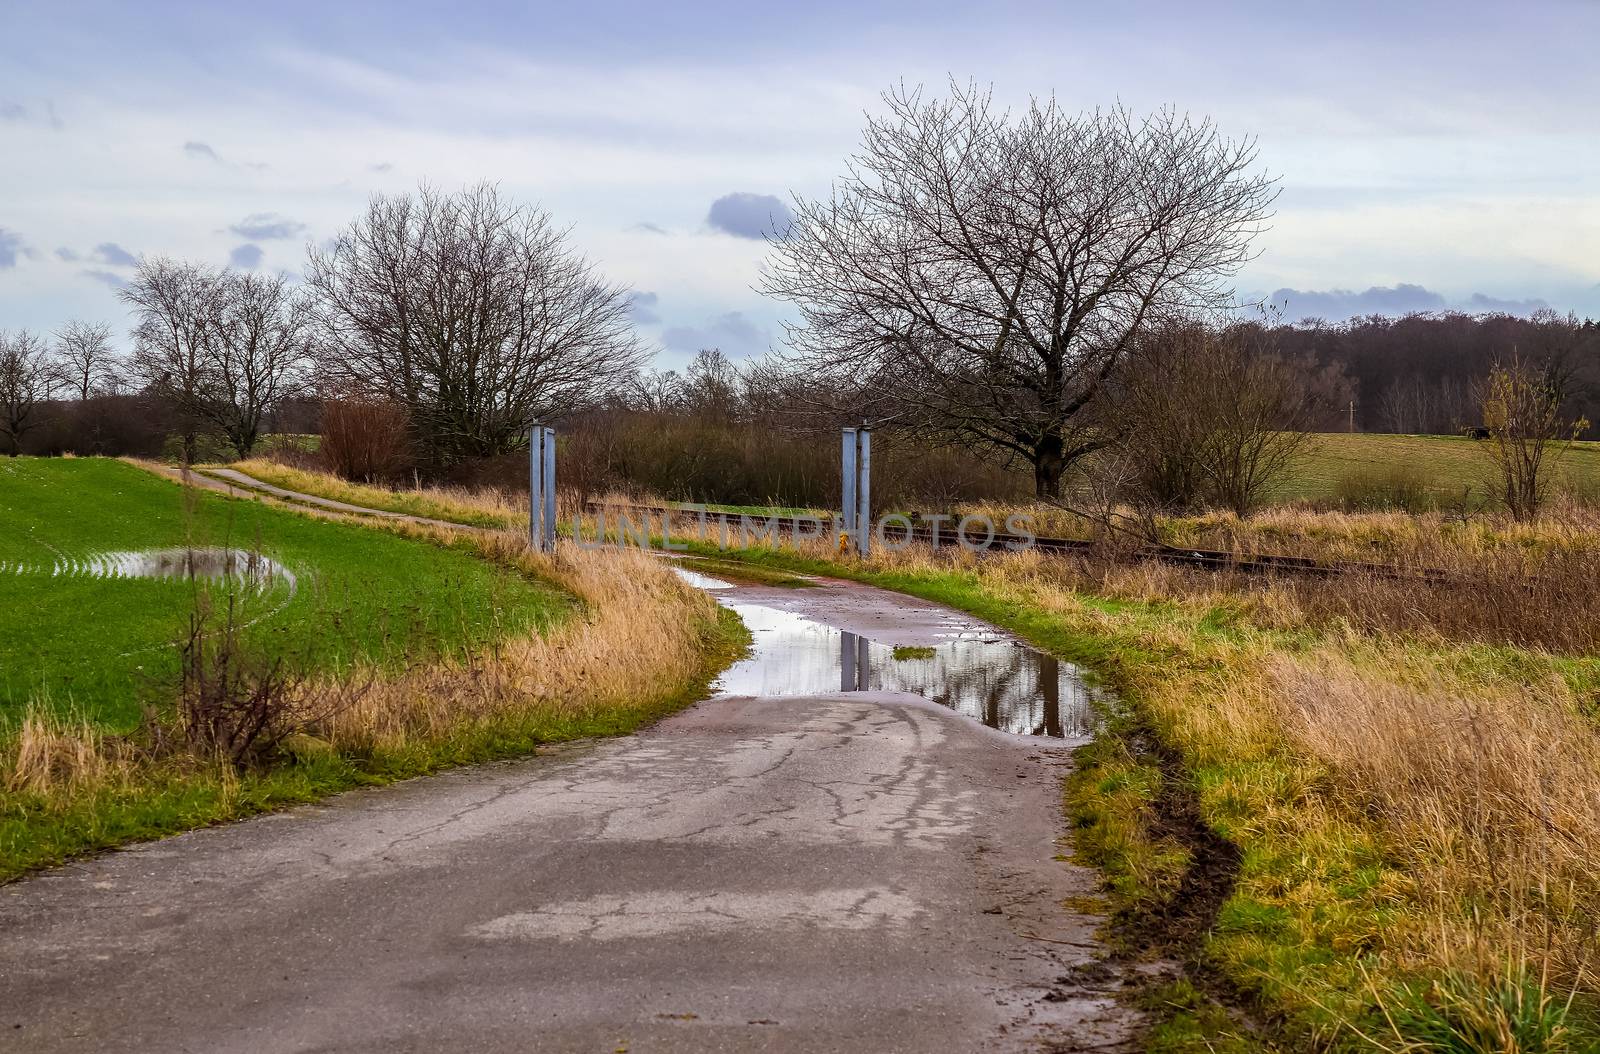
29, 376
978, 276
175, 307
257, 347
1528, 432
87, 359
1216, 415
1263, 406
474, 314
223, 348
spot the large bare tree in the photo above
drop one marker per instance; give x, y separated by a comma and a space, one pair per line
222, 348
978, 275
472, 312
29, 376
175, 305
88, 361
257, 350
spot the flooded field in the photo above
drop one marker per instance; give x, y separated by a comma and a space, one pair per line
842, 637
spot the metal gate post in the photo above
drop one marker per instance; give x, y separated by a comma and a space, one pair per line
847, 478
542, 488
550, 489
864, 491
855, 473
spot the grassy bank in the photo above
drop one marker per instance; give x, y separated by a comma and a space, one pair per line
471, 508
575, 645
1412, 814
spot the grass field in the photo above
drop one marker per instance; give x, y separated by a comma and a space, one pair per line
1446, 465
102, 647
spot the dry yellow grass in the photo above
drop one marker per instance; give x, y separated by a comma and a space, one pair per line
1487, 795
1412, 539
53, 756
640, 626
484, 507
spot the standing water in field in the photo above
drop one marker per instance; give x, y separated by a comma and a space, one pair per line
842, 637
240, 566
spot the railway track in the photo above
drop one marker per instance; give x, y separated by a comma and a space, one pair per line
919, 531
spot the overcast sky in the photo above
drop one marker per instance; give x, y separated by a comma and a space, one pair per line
1431, 155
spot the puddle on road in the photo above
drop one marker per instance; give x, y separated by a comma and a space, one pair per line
1003, 683
245, 568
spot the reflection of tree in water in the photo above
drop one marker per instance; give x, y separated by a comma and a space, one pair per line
1004, 685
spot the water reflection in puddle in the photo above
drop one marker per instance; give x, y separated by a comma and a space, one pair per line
240, 566
1002, 683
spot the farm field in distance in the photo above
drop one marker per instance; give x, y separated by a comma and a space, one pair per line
1446, 465
102, 646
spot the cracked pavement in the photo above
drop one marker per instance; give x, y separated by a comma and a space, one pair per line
862, 871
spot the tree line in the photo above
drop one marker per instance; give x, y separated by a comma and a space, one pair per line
469, 314
1046, 292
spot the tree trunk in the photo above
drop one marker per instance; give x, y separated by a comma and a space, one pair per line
1049, 465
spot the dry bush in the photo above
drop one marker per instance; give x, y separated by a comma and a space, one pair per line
365, 439
238, 705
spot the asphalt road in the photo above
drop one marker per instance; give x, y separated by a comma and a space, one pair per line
852, 872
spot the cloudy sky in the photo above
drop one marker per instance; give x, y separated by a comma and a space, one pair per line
1431, 155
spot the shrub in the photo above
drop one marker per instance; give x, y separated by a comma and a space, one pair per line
1398, 488
239, 706
364, 440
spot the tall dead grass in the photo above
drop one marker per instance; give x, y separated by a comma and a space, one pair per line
52, 756
639, 627
1488, 795
481, 506
1416, 539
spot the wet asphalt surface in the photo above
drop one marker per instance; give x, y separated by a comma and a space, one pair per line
863, 871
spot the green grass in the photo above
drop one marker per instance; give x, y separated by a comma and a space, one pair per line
1447, 465
746, 572
102, 647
